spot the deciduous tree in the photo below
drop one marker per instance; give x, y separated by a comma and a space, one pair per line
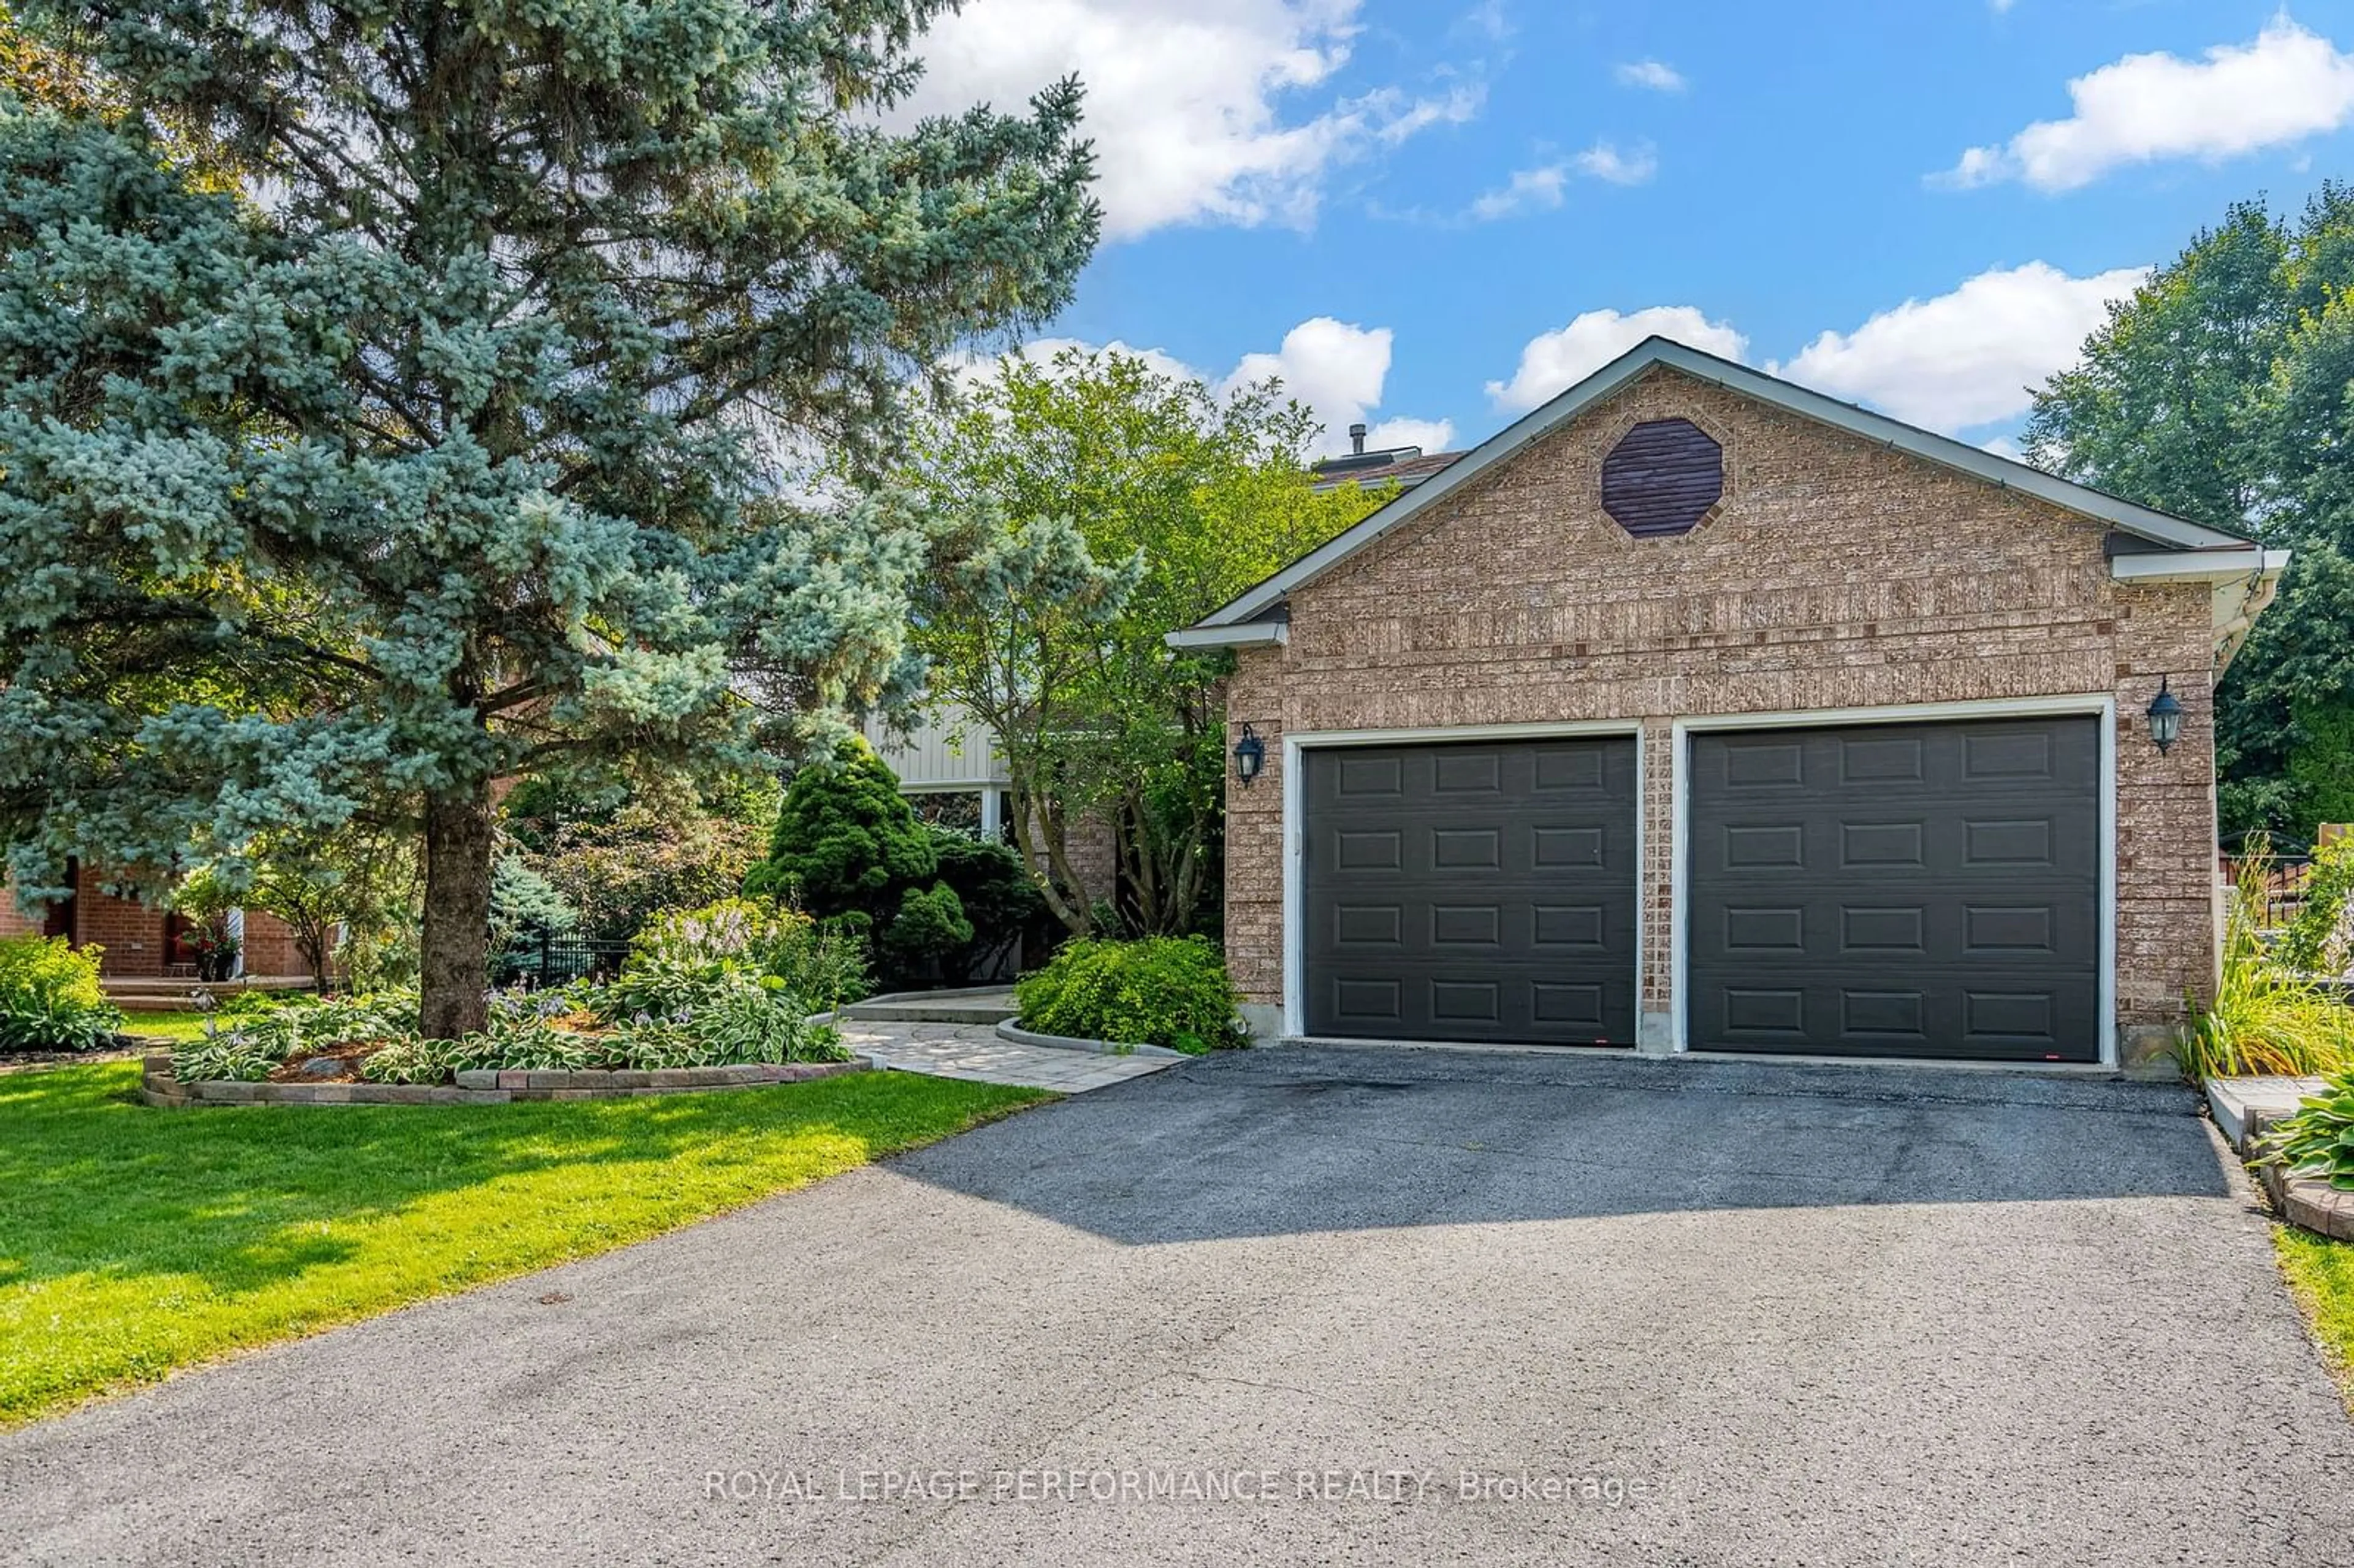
2223, 390
1088, 507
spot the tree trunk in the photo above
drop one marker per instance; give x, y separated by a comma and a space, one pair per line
456, 951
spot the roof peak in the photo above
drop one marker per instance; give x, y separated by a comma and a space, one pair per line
2168, 531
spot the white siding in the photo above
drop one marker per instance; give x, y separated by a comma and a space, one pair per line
946, 751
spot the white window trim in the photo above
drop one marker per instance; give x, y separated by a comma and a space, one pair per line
1295, 802
2102, 705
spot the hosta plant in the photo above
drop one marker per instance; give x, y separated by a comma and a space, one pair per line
2318, 1141
50, 997
237, 1054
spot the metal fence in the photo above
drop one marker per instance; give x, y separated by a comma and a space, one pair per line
540, 960
2286, 877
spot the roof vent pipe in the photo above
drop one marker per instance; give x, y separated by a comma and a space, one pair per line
1357, 440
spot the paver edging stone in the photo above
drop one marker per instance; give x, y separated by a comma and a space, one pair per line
2310, 1202
1014, 1034
159, 1087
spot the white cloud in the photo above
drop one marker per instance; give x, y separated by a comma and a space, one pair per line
1430, 434
2287, 85
1605, 162
1557, 360
1529, 190
1656, 75
1336, 369
1339, 369
1969, 357
1201, 110
1489, 20
2001, 7
1542, 188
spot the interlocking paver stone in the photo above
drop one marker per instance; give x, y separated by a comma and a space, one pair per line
976, 1053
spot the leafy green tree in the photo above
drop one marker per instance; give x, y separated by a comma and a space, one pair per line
455, 452
2221, 391
623, 867
1086, 508
357, 882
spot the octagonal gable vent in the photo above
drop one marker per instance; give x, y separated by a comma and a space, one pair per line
1662, 478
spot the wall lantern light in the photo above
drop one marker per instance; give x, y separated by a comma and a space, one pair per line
1250, 755
2165, 715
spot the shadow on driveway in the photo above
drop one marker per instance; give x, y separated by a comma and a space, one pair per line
1317, 1139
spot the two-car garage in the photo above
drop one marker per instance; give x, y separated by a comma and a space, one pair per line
1915, 889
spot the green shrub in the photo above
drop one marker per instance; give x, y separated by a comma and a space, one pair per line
821, 962
997, 894
256, 1040
2315, 941
2265, 1018
1160, 990
930, 928
409, 1061
2318, 1141
933, 904
233, 1055
50, 998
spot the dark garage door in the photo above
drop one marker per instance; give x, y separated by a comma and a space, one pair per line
1472, 891
1900, 890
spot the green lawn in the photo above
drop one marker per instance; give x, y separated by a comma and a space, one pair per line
2321, 1273
136, 1242
182, 1024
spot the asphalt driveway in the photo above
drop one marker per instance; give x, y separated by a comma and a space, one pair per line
1326, 1306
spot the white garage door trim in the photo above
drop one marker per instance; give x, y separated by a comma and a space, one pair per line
2101, 704
1295, 963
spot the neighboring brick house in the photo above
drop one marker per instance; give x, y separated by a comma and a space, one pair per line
1696, 711
138, 941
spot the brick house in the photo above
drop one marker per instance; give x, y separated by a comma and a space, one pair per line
138, 941
1696, 711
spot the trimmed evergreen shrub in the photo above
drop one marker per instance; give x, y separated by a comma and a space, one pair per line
845, 838
849, 849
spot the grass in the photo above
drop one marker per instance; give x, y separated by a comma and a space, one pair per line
2321, 1276
135, 1243
184, 1024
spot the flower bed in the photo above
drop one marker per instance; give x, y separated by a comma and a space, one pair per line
160, 1086
2307, 1159
700, 995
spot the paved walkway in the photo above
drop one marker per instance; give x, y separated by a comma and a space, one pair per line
969, 1051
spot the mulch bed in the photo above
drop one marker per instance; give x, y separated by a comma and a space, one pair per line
33, 1061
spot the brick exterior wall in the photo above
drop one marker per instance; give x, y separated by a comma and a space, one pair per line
1835, 573
132, 933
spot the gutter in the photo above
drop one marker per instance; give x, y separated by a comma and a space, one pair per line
1247, 634
2199, 566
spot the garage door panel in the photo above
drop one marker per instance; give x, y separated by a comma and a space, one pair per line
1923, 890
1480, 891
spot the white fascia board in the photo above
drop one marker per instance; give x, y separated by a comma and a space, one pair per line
1249, 634
2199, 566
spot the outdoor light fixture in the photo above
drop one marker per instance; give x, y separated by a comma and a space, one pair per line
2165, 715
1250, 755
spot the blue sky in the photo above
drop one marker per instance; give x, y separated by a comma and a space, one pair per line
1431, 215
